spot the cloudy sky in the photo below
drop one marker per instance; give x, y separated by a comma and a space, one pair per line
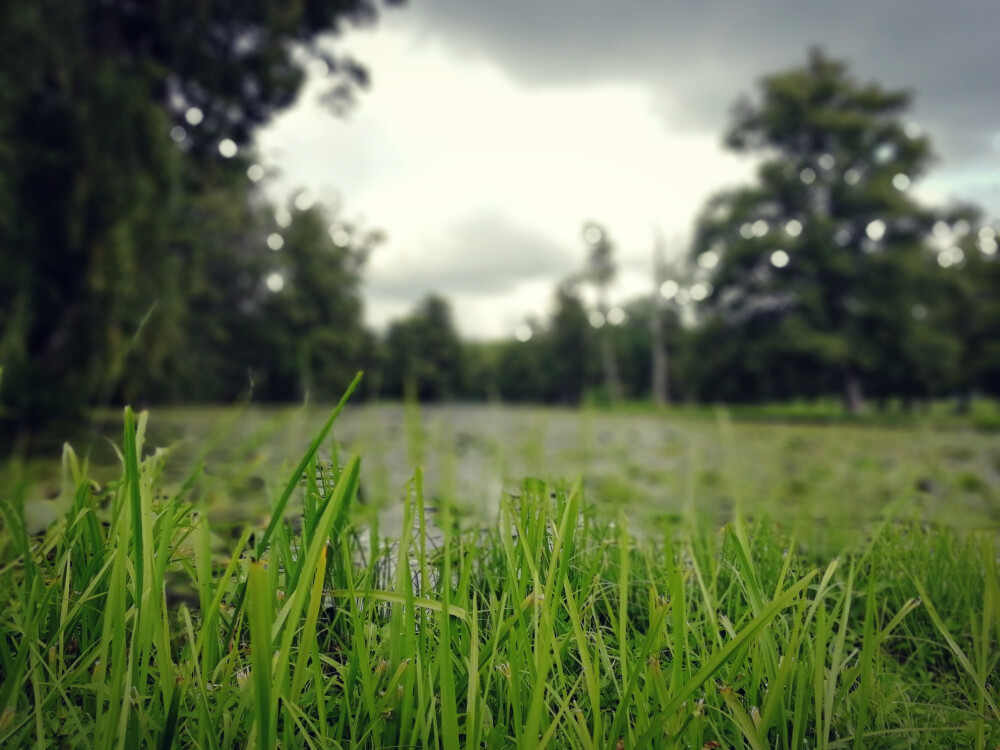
493, 130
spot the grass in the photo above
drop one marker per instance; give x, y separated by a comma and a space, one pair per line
561, 623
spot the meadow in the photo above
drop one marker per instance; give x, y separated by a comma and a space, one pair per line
468, 577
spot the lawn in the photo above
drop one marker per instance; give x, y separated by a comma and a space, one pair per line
484, 577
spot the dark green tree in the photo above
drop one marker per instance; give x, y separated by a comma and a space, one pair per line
423, 354
111, 112
570, 348
804, 259
305, 320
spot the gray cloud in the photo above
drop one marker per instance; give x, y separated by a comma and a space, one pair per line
700, 56
484, 254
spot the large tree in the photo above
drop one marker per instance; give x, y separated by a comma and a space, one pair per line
804, 259
111, 111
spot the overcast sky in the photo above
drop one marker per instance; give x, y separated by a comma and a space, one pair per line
493, 130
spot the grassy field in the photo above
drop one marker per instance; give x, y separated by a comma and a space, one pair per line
692, 583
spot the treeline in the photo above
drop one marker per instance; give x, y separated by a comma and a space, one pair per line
143, 263
825, 276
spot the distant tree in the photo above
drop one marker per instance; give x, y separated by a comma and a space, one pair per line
423, 353
965, 300
521, 371
601, 271
307, 330
570, 347
808, 252
635, 340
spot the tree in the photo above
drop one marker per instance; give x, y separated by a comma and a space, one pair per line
569, 348
636, 340
306, 323
111, 112
601, 271
659, 359
424, 354
801, 257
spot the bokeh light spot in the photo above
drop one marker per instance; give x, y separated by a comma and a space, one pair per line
304, 200
884, 153
228, 148
708, 259
592, 235
275, 282
779, 259
275, 241
875, 230
700, 291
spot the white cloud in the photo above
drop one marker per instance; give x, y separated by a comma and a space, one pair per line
439, 140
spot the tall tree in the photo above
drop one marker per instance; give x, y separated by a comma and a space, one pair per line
601, 271
659, 360
570, 347
102, 103
803, 253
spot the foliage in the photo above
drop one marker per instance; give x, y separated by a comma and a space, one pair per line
824, 257
114, 117
423, 354
555, 626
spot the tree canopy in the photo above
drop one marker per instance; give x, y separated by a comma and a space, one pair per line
823, 259
125, 130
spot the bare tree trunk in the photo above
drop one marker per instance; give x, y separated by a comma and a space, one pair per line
608, 361
660, 374
611, 379
853, 394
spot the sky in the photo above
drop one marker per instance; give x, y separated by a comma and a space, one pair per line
493, 130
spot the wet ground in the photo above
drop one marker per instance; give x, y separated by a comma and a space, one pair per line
829, 478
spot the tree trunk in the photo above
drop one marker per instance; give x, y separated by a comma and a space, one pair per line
661, 378
611, 379
853, 394
660, 374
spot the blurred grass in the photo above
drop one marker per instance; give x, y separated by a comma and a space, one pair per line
705, 581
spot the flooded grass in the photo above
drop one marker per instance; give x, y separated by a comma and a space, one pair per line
489, 578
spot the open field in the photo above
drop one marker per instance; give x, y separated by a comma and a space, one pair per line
502, 578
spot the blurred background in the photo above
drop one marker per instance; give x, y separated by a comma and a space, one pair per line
212, 201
